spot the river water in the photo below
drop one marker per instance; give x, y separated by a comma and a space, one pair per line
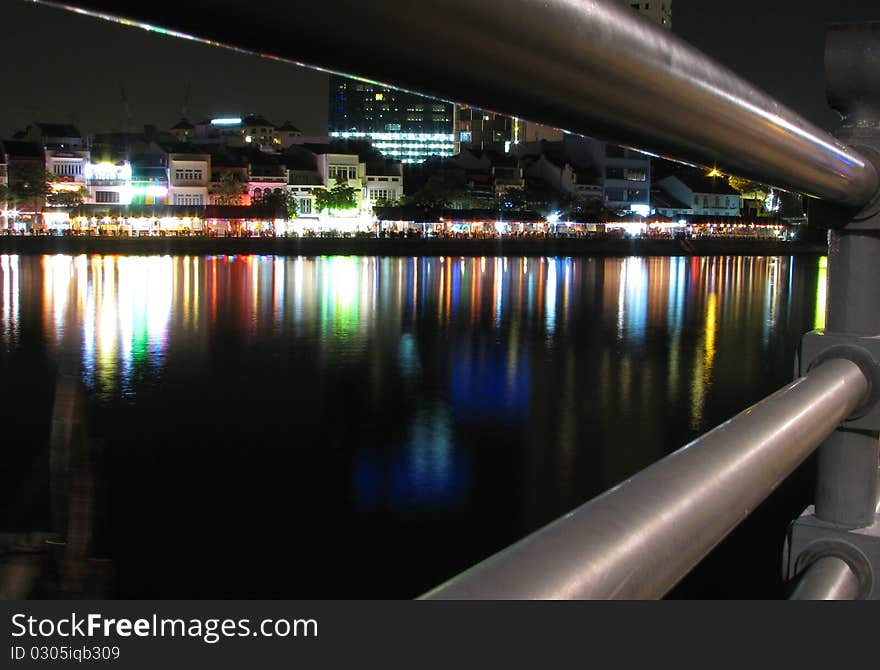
293, 427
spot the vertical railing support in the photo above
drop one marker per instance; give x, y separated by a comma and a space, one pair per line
847, 478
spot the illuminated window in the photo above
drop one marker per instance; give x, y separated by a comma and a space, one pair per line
380, 96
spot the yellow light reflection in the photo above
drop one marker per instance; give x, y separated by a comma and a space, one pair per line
821, 293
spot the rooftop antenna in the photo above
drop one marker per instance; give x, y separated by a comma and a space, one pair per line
126, 124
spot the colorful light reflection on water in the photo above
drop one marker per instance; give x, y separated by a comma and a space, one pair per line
454, 403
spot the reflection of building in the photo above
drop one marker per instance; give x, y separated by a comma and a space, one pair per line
401, 125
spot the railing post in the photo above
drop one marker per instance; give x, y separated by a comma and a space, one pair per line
847, 479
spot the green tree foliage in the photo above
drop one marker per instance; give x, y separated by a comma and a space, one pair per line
232, 187
68, 199
292, 204
338, 198
440, 192
751, 190
30, 185
7, 197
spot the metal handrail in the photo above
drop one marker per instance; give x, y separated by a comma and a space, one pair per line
589, 66
643, 536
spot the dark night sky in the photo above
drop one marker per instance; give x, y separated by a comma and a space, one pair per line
64, 67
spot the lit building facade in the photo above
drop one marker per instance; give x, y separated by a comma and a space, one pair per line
403, 126
384, 185
188, 177
110, 182
69, 169
699, 195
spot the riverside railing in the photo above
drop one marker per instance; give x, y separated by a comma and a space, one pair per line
597, 68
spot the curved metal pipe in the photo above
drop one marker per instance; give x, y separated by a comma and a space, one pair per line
589, 66
641, 537
828, 578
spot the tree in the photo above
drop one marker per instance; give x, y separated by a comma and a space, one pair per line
8, 200
31, 184
752, 190
439, 192
67, 198
232, 187
272, 204
7, 197
337, 198
292, 203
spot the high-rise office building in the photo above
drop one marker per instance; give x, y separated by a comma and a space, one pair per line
401, 125
658, 12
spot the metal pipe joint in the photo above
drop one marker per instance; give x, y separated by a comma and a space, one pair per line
810, 539
818, 346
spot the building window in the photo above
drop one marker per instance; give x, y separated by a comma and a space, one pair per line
67, 169
635, 175
342, 172
107, 196
192, 199
304, 205
188, 174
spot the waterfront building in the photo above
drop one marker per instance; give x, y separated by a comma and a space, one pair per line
229, 177
189, 172
266, 178
288, 134
478, 129
183, 130
701, 195
21, 156
4, 183
4, 172
401, 125
582, 166
149, 177
67, 166
249, 130
303, 179
109, 181
561, 175
383, 182
54, 135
